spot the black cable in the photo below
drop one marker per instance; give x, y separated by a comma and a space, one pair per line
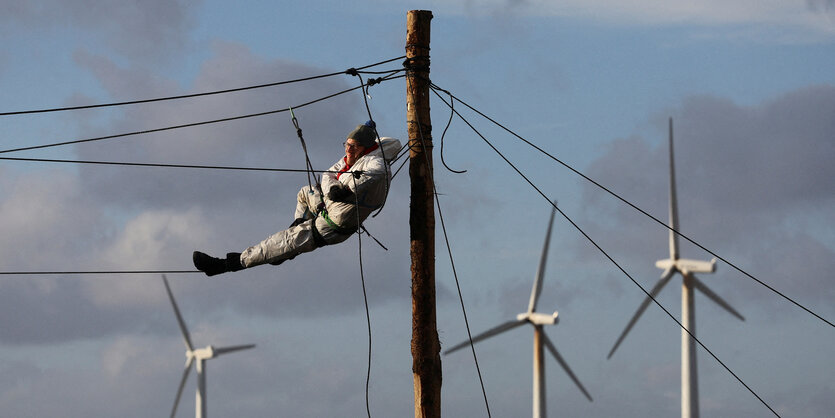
662, 223
46, 273
400, 153
398, 168
398, 70
185, 96
449, 122
452, 261
377, 135
189, 125
309, 166
44, 160
612, 260
365, 298
364, 229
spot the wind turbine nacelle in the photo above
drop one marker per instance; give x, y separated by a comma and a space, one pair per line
688, 266
204, 353
539, 318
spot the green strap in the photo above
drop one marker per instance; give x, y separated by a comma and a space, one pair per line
333, 224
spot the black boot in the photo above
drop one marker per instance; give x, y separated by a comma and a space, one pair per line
212, 266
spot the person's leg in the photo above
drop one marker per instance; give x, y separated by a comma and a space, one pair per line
280, 246
308, 204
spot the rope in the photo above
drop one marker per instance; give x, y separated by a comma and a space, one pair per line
398, 168
365, 298
449, 122
612, 260
306, 156
365, 97
363, 229
49, 273
45, 160
185, 96
188, 125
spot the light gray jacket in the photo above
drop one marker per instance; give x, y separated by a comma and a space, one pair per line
368, 178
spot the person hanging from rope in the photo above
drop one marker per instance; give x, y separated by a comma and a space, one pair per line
325, 214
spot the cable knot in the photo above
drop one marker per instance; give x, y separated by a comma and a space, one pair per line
352, 71
417, 64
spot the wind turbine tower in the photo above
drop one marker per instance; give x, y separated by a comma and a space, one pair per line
537, 320
687, 268
198, 356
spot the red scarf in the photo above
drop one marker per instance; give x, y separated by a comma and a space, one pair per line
364, 153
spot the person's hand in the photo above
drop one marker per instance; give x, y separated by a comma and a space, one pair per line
339, 193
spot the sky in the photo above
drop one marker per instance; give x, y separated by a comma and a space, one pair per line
749, 85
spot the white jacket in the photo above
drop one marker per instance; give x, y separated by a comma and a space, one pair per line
368, 178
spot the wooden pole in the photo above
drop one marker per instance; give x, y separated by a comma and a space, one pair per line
426, 357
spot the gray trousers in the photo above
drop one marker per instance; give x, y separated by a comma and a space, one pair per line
297, 239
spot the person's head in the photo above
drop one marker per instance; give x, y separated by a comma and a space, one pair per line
360, 139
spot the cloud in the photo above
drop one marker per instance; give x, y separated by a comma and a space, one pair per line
754, 185
34, 210
711, 12
267, 141
772, 21
821, 6
127, 218
142, 31
126, 376
152, 241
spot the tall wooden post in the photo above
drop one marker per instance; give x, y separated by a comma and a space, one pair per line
426, 357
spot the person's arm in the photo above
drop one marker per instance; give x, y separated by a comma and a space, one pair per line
369, 176
329, 179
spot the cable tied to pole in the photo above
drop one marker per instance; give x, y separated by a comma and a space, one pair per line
418, 63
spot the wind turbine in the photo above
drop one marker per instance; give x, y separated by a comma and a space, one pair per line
687, 268
537, 320
200, 355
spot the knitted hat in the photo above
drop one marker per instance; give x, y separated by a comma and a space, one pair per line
364, 134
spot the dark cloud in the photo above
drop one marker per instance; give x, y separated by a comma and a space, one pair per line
267, 141
65, 312
142, 31
821, 6
752, 184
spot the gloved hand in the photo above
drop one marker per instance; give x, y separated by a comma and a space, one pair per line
339, 193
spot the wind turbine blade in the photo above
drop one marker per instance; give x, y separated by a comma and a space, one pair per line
564, 365
182, 385
673, 201
487, 334
716, 298
224, 350
540, 272
182, 323
654, 293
